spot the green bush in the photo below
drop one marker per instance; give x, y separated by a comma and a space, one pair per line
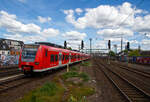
49, 89
73, 68
86, 63
70, 74
134, 53
49, 92
84, 76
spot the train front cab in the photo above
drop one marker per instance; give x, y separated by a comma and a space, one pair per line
28, 60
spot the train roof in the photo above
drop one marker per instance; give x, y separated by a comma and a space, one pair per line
56, 48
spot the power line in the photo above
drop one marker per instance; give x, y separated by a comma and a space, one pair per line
132, 12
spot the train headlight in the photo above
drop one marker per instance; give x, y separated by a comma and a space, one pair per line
36, 63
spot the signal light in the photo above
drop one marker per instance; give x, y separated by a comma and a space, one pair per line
82, 44
128, 46
65, 44
109, 44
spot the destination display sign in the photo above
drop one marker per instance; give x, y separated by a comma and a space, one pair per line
31, 46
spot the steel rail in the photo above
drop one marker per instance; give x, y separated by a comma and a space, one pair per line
131, 92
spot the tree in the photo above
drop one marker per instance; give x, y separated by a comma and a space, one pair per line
112, 54
134, 53
69, 48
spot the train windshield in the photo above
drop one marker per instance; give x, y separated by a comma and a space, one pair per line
29, 53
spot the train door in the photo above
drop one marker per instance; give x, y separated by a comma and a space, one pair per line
52, 58
46, 63
60, 58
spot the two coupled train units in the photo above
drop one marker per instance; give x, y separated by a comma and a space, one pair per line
39, 58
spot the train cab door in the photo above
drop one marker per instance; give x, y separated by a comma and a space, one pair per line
46, 59
60, 59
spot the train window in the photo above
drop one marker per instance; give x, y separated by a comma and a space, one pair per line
56, 57
52, 58
63, 57
46, 52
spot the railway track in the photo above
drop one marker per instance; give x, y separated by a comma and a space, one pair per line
138, 79
20, 79
128, 90
140, 71
11, 82
4, 72
8, 72
8, 67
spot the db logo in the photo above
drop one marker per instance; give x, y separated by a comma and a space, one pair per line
27, 63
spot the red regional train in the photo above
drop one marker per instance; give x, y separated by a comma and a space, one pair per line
39, 58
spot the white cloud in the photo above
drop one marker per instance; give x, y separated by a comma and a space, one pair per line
50, 32
115, 32
145, 44
9, 22
134, 42
70, 16
26, 39
44, 19
142, 24
102, 44
78, 11
104, 16
74, 38
74, 35
19, 31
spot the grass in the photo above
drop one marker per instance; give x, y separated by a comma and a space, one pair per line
71, 74
73, 68
54, 91
50, 92
86, 63
84, 76
79, 94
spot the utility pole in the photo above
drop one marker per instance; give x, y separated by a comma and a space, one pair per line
79, 48
90, 45
121, 43
115, 48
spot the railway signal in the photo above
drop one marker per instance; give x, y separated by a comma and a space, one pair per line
109, 44
65, 44
128, 46
82, 44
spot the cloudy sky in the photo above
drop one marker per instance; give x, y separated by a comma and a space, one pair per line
75, 20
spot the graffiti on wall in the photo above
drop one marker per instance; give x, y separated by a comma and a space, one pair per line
9, 60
